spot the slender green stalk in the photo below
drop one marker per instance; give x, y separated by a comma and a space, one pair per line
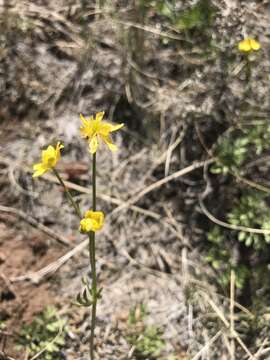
248, 70
94, 196
92, 256
68, 194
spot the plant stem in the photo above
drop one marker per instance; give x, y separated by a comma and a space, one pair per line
68, 194
248, 70
94, 206
92, 255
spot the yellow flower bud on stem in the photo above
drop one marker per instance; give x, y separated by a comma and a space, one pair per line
248, 46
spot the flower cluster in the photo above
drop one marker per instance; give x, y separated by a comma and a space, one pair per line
94, 130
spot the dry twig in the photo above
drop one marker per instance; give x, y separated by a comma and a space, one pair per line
33, 222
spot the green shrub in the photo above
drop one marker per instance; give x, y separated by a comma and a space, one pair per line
47, 331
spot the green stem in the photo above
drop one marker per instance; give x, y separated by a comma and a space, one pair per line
92, 256
94, 196
68, 194
248, 71
94, 291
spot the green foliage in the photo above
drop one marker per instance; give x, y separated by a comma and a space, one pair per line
231, 153
259, 137
219, 257
86, 297
199, 16
235, 148
148, 343
165, 8
147, 340
46, 331
136, 314
251, 211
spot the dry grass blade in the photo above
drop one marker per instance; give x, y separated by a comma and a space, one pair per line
37, 276
161, 182
207, 346
33, 222
222, 317
231, 226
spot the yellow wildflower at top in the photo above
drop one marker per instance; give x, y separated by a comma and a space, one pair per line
92, 221
95, 129
49, 159
249, 45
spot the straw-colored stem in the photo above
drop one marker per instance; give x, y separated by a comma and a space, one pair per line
232, 298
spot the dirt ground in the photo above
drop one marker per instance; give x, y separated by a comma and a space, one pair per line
21, 300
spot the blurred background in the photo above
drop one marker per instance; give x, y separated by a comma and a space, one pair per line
184, 257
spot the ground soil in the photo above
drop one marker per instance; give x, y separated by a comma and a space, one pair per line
20, 301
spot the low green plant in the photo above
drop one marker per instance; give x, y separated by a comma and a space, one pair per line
46, 333
231, 154
199, 16
147, 340
220, 258
251, 211
235, 148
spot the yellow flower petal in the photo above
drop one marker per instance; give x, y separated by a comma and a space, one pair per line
106, 128
95, 215
255, 45
93, 145
49, 158
48, 154
95, 128
85, 131
248, 45
92, 221
116, 127
244, 45
109, 143
83, 119
59, 146
86, 225
100, 115
39, 170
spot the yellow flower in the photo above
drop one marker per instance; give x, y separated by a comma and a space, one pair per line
249, 45
95, 129
92, 221
49, 158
